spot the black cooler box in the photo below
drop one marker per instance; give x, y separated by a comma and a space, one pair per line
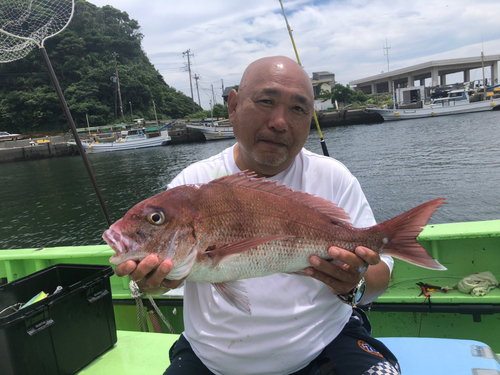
62, 333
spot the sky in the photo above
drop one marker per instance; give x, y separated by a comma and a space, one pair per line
345, 37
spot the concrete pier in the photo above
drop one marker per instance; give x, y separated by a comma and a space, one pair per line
49, 148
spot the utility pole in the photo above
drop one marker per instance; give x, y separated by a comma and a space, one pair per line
222, 82
196, 78
213, 95
212, 104
118, 85
386, 53
189, 69
113, 78
131, 113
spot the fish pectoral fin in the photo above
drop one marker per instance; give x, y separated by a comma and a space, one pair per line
234, 293
220, 253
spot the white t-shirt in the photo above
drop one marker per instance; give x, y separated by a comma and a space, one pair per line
293, 317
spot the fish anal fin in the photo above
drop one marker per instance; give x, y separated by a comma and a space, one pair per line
234, 293
228, 250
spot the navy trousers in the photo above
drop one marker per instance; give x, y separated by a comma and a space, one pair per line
353, 352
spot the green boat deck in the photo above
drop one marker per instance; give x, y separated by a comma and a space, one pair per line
464, 248
134, 353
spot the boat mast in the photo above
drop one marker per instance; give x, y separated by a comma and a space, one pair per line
484, 82
212, 106
156, 117
88, 126
393, 97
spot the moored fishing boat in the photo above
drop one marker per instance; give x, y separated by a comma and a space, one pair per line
133, 140
217, 131
457, 102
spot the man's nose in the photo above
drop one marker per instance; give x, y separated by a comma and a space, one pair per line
278, 120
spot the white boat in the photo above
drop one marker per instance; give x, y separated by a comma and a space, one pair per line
457, 102
215, 131
133, 140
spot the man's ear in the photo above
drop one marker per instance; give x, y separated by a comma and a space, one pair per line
232, 102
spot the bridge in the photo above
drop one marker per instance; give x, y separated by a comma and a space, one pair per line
435, 70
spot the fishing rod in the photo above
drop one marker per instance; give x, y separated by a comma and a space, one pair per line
322, 141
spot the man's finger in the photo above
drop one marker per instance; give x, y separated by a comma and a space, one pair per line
368, 255
144, 267
156, 278
125, 268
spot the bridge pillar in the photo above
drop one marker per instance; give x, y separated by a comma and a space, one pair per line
442, 79
494, 73
434, 76
411, 80
466, 75
374, 88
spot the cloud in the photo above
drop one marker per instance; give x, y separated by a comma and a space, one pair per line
345, 37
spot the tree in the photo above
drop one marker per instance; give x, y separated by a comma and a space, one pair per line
82, 59
220, 111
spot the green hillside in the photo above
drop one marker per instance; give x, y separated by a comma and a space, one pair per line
82, 57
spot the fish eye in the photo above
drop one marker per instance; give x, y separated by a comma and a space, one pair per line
156, 218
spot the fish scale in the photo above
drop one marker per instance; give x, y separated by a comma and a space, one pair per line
238, 227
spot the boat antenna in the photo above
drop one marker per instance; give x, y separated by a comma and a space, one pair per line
322, 141
26, 25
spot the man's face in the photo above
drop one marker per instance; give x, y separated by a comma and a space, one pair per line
272, 118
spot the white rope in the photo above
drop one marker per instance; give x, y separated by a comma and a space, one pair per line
478, 284
157, 309
141, 314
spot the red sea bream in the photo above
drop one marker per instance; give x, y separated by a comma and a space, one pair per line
238, 227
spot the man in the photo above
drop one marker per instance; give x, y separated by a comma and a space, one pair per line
298, 324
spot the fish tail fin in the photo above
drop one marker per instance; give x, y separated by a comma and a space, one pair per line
400, 235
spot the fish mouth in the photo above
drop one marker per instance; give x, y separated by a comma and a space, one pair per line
123, 246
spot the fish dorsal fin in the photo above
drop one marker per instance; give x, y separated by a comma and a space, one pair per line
248, 180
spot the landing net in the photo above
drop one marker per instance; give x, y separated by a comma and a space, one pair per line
26, 24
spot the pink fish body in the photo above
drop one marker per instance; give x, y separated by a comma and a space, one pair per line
239, 227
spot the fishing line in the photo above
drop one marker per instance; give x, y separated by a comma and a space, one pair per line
322, 141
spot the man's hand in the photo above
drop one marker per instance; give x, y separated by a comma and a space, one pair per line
345, 270
149, 276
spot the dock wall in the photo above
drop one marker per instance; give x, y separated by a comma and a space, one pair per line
40, 151
327, 119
